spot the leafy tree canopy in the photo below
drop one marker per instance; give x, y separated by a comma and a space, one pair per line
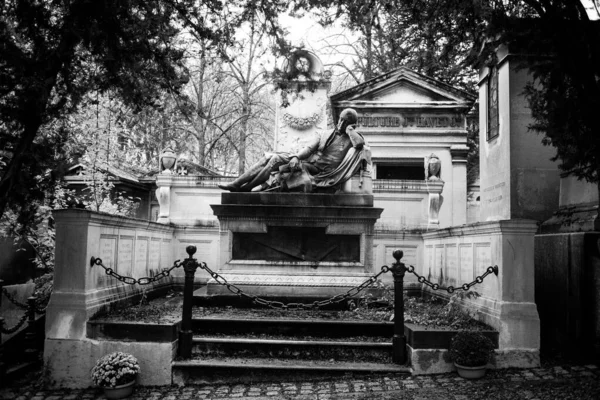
559, 43
54, 52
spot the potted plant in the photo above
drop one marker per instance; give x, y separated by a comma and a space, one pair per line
116, 373
470, 352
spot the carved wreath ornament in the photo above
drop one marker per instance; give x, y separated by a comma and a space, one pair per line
299, 123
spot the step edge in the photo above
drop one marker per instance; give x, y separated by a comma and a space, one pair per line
371, 367
294, 321
291, 342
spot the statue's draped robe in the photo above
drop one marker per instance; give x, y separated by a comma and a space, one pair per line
323, 169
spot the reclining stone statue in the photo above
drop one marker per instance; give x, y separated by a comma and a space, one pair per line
324, 165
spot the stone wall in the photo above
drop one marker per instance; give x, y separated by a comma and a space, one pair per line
128, 246
458, 255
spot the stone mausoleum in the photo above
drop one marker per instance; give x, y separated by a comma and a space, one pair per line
409, 121
412, 196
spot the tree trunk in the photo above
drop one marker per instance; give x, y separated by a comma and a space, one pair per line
37, 104
597, 222
9, 178
200, 109
369, 39
243, 132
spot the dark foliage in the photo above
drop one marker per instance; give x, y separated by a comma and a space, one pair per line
53, 53
470, 349
560, 47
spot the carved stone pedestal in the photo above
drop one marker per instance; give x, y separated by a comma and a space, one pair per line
293, 244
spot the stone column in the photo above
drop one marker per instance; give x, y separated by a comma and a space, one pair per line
163, 195
459, 184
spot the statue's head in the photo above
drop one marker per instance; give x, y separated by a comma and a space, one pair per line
347, 117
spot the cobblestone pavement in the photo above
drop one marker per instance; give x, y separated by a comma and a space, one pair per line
557, 382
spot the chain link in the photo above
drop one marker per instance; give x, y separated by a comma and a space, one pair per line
39, 309
288, 306
141, 281
452, 289
8, 331
277, 304
13, 300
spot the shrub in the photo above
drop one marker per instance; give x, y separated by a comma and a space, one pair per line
115, 369
470, 349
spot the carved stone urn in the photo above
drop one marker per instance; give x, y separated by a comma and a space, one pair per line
434, 165
167, 161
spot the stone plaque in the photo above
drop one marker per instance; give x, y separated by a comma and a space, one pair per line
411, 121
165, 254
466, 263
125, 256
495, 199
295, 244
428, 261
141, 255
108, 252
483, 259
154, 255
452, 264
438, 264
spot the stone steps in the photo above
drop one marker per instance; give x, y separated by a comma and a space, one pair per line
230, 370
292, 327
252, 350
292, 349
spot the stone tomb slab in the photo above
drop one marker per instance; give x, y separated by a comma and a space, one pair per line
295, 243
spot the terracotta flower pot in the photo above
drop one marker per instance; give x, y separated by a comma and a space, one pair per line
470, 372
119, 392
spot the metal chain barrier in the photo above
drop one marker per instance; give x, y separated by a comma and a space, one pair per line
452, 289
15, 328
278, 304
236, 290
132, 281
13, 300
304, 306
39, 309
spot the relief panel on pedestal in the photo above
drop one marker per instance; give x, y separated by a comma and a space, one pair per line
296, 244
108, 253
125, 256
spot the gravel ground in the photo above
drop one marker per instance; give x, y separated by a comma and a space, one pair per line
552, 382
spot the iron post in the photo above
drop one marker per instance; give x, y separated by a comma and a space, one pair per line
399, 340
1, 347
30, 340
185, 334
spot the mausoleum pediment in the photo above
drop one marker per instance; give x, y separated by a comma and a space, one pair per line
404, 88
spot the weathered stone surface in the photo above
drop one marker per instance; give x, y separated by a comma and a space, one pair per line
298, 199
305, 213
70, 361
507, 301
11, 313
518, 178
264, 239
